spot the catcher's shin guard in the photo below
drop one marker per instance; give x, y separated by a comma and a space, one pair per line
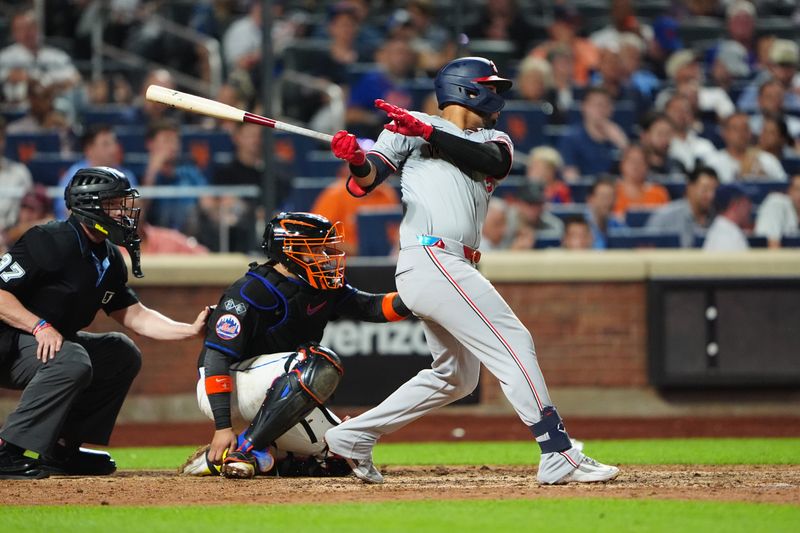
293, 395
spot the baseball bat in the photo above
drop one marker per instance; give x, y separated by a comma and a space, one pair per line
212, 108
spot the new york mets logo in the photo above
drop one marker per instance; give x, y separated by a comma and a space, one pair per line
228, 327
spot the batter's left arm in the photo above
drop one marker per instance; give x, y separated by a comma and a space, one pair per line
369, 307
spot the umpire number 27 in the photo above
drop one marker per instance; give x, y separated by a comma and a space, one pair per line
14, 270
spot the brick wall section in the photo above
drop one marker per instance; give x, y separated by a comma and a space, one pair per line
586, 334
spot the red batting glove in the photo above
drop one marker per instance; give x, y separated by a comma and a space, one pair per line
404, 122
345, 146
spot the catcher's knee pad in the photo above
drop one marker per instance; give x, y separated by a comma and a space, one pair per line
313, 379
550, 433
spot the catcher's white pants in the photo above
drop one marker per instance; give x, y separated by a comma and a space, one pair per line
466, 323
252, 378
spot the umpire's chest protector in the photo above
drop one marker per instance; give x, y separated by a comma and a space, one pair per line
274, 314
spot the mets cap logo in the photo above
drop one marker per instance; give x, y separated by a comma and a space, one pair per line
228, 327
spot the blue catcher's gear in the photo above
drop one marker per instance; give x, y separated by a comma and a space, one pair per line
463, 81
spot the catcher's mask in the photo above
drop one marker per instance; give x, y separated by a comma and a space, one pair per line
307, 245
102, 198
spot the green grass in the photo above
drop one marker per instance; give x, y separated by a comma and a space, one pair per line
655, 451
485, 516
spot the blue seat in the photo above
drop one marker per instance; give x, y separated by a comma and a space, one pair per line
110, 114
758, 190
525, 123
131, 139
48, 168
375, 225
565, 211
25, 146
676, 189
637, 218
642, 238
546, 242
757, 241
790, 242
304, 192
791, 165
319, 164
580, 190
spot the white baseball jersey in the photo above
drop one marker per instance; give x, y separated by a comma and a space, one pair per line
439, 198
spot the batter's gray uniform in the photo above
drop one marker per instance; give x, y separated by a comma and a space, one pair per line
466, 320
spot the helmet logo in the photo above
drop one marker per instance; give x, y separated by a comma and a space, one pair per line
228, 327
494, 67
100, 228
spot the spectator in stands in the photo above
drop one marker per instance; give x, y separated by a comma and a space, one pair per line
335, 203
239, 214
34, 208
109, 89
544, 166
146, 111
599, 211
563, 33
692, 214
611, 76
577, 234
100, 149
656, 136
740, 159
494, 233
775, 139
369, 37
642, 80
665, 42
42, 116
158, 240
395, 66
684, 71
588, 148
733, 208
633, 189
422, 20
740, 25
533, 219
729, 64
241, 43
779, 213
27, 58
502, 20
623, 20
14, 176
534, 82
564, 93
686, 147
782, 66
771, 96
164, 167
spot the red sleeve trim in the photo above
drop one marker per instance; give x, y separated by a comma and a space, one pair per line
384, 159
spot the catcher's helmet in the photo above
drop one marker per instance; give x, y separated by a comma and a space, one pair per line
102, 198
463, 81
306, 244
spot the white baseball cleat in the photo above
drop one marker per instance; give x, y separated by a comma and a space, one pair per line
365, 470
198, 464
590, 471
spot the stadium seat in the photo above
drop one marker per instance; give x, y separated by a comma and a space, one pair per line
757, 241
525, 124
543, 243
377, 227
319, 164
131, 139
580, 190
112, 115
203, 145
791, 165
700, 28
790, 242
637, 218
780, 27
501, 51
758, 190
304, 192
48, 168
25, 146
642, 238
676, 189
565, 211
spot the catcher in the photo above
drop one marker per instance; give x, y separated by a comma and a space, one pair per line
280, 308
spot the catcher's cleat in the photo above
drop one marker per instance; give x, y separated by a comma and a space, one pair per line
82, 462
590, 471
239, 465
198, 464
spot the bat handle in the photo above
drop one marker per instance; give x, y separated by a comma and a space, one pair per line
283, 126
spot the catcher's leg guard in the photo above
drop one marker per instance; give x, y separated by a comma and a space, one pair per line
293, 395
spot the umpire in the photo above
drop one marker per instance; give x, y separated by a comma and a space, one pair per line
52, 283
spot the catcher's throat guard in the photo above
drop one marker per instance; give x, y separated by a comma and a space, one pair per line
313, 379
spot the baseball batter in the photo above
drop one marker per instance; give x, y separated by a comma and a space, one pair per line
449, 167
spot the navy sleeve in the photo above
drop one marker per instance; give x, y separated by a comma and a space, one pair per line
28, 261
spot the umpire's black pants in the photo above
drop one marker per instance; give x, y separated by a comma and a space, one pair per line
75, 396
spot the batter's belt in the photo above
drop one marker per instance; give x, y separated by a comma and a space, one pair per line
470, 254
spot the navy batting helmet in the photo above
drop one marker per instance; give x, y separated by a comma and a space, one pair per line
463, 81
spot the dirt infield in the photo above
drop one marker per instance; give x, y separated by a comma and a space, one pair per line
765, 484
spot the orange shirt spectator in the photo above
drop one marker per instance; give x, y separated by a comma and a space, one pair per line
335, 203
632, 188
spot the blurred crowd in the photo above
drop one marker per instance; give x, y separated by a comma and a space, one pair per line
650, 123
